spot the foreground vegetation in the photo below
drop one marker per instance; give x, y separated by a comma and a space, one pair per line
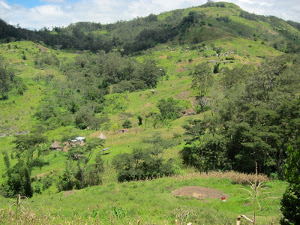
149, 202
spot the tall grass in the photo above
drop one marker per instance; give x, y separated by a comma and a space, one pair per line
149, 201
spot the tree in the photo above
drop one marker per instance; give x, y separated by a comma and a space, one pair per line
86, 173
145, 163
5, 79
254, 121
26, 145
202, 81
127, 124
290, 207
84, 117
18, 181
205, 149
149, 73
169, 109
217, 68
140, 118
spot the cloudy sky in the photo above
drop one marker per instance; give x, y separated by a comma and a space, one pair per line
35, 14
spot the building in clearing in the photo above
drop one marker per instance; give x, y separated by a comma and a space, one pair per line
56, 146
123, 131
188, 112
102, 136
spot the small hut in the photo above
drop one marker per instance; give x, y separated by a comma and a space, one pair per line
55, 146
188, 112
123, 131
102, 136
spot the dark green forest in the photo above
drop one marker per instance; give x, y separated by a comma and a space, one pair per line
132, 37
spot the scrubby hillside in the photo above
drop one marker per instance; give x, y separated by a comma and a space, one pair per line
209, 88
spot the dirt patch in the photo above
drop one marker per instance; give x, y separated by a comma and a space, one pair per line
41, 175
180, 70
43, 49
199, 192
67, 193
163, 56
148, 104
183, 95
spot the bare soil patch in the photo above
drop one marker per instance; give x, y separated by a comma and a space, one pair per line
67, 193
43, 49
148, 104
163, 56
199, 192
181, 70
183, 95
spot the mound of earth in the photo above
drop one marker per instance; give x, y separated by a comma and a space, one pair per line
199, 192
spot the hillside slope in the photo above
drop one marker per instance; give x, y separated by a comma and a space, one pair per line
90, 79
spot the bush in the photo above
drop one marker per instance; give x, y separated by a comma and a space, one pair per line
141, 165
18, 181
169, 108
127, 124
144, 164
291, 198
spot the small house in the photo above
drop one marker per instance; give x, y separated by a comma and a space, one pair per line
80, 139
102, 136
123, 131
188, 112
77, 141
55, 146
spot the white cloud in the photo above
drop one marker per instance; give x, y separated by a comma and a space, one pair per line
4, 5
62, 12
54, 1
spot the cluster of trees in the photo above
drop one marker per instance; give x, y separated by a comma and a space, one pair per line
84, 166
80, 172
9, 81
5, 79
202, 80
28, 152
169, 109
290, 201
256, 119
130, 37
80, 99
46, 58
145, 163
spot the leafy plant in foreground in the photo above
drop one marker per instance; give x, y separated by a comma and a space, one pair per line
290, 204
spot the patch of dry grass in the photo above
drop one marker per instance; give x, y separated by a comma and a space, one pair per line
235, 177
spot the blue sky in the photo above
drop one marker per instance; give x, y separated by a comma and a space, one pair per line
36, 14
34, 3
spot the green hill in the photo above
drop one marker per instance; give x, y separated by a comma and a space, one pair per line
208, 88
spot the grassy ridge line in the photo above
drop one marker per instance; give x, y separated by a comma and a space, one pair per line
152, 202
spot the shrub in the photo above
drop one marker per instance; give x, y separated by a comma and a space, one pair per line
144, 164
141, 165
169, 109
127, 124
291, 198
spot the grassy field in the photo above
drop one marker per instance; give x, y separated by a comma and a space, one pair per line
149, 202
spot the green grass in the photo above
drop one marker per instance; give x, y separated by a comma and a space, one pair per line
150, 202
